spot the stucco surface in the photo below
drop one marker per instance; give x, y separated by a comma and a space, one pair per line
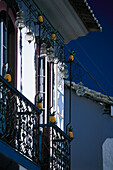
87, 125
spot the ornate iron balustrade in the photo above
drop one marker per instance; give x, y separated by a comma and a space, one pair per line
17, 119
54, 148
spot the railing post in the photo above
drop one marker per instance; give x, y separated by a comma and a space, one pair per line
69, 101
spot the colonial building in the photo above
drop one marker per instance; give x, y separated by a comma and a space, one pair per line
92, 122
32, 61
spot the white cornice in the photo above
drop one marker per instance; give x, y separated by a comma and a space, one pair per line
88, 93
64, 18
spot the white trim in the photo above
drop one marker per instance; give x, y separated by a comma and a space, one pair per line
1, 59
46, 89
52, 87
64, 18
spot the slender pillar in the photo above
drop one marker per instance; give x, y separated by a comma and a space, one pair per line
69, 100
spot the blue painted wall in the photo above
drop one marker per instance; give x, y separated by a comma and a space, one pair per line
87, 124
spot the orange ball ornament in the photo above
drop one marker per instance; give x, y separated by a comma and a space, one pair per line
40, 18
70, 134
8, 77
53, 37
52, 118
71, 57
39, 105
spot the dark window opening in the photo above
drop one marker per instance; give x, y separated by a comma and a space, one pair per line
7, 46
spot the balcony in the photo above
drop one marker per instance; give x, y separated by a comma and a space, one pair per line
17, 119
54, 147
21, 135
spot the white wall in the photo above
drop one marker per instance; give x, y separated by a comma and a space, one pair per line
108, 154
28, 71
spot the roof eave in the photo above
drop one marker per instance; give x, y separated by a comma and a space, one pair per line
91, 94
86, 14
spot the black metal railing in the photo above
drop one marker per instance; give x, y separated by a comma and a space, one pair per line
17, 119
45, 144
54, 148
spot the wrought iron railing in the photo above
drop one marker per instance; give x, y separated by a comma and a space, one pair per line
54, 148
45, 144
17, 119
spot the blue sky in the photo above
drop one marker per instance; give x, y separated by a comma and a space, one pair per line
95, 51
